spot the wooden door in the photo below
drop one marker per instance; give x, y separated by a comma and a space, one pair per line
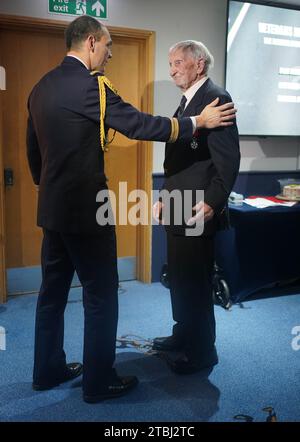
121, 160
32, 57
34, 54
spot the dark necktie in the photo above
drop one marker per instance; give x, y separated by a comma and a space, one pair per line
180, 110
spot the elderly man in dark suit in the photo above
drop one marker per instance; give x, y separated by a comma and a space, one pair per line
67, 163
209, 162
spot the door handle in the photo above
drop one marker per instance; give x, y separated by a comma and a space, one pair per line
8, 177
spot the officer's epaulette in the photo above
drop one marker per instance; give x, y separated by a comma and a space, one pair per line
102, 82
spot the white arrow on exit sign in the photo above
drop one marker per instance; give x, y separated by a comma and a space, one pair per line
98, 7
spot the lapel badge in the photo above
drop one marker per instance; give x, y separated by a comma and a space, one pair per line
194, 143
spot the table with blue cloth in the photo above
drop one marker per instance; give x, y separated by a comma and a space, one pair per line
261, 247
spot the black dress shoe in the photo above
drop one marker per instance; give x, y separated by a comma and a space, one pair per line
118, 387
169, 343
73, 370
185, 366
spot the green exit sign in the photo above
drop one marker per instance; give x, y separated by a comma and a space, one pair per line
94, 8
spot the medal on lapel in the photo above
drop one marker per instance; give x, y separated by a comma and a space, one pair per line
194, 143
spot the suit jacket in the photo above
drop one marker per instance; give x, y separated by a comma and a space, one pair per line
210, 162
63, 144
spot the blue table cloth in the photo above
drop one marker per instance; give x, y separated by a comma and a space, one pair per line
261, 247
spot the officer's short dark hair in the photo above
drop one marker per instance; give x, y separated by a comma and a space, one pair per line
79, 30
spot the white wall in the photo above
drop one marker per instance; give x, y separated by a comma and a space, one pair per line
175, 20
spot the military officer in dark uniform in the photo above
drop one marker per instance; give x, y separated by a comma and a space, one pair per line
210, 161
65, 147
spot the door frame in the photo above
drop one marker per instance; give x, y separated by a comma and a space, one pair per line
145, 161
2, 213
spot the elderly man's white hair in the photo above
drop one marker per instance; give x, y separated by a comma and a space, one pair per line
197, 50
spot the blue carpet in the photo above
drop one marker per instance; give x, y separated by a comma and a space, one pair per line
258, 366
